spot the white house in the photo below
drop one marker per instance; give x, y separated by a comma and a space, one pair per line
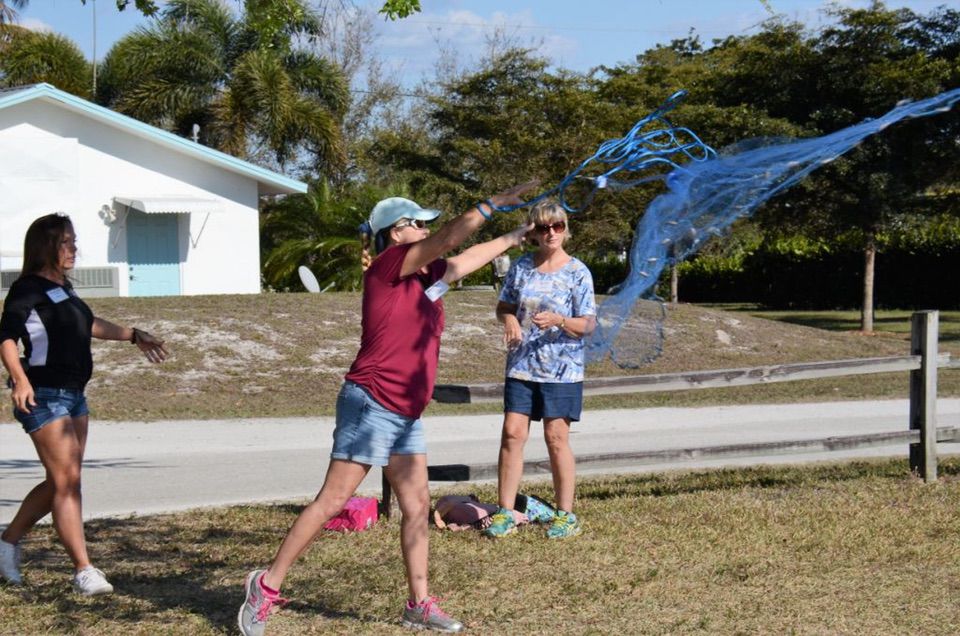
155, 214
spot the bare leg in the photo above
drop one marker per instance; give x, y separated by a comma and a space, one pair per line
408, 478
341, 481
556, 433
516, 431
39, 501
61, 453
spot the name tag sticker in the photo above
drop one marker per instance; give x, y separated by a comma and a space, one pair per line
57, 294
435, 291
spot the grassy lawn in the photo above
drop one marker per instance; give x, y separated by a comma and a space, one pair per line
855, 548
885, 322
283, 355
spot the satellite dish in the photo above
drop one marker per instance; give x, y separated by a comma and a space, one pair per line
308, 279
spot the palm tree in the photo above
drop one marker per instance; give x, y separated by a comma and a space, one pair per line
29, 57
320, 230
245, 80
8, 10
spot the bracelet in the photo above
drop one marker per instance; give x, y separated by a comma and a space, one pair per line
479, 206
563, 322
133, 336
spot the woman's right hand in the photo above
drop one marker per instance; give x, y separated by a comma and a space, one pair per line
23, 397
512, 335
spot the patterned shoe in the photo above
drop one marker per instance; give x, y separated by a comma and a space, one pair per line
10, 562
564, 526
538, 511
502, 523
428, 615
255, 610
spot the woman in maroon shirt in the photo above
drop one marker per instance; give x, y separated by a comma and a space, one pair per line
385, 391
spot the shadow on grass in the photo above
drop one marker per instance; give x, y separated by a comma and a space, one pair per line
886, 325
742, 478
164, 569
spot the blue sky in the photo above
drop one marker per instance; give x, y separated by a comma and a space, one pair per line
575, 34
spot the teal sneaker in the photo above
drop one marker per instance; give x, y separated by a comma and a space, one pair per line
564, 526
537, 510
502, 523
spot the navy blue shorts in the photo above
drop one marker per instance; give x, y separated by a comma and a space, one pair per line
541, 400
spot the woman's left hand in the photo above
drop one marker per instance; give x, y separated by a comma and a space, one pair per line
518, 235
548, 319
151, 346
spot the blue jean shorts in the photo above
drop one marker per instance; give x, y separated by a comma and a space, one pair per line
541, 400
52, 404
368, 433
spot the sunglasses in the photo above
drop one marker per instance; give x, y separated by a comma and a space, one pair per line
557, 227
417, 223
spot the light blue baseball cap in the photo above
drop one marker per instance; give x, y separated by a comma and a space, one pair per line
389, 211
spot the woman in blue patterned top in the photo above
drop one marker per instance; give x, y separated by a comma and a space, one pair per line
547, 308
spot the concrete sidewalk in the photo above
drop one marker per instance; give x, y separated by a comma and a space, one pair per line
136, 468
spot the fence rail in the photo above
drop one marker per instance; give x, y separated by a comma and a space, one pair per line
921, 433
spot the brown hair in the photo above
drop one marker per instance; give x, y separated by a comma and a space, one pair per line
41, 245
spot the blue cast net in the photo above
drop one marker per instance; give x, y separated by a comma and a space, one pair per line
704, 197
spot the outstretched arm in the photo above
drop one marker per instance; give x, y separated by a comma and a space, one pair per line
151, 346
454, 233
473, 258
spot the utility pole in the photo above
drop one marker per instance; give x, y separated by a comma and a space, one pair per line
94, 5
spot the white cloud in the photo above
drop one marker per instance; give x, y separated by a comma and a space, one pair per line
35, 25
415, 43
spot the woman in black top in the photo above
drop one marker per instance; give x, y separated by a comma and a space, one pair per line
43, 312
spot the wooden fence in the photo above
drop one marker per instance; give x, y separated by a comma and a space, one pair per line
921, 434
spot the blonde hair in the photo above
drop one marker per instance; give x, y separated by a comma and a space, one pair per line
549, 211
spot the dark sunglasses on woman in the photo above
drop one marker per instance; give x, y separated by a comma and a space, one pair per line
417, 223
557, 227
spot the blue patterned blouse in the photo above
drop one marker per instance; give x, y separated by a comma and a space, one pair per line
547, 355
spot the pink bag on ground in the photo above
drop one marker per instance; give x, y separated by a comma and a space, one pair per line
359, 514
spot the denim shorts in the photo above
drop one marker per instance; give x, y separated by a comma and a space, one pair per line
52, 404
368, 433
541, 400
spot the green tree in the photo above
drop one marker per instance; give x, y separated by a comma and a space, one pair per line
8, 10
243, 80
392, 9
30, 57
318, 229
860, 67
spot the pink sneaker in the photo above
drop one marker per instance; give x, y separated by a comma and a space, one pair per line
428, 615
257, 606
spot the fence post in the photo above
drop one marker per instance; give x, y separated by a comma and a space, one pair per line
923, 393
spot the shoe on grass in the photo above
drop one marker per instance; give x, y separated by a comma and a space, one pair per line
10, 562
257, 605
91, 582
502, 523
427, 615
564, 526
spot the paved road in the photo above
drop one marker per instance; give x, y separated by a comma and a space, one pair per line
143, 468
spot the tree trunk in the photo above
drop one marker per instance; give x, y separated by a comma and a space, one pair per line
870, 257
674, 276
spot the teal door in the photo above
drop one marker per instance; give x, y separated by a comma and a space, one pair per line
153, 254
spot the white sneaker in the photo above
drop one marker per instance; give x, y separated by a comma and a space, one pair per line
10, 562
90, 582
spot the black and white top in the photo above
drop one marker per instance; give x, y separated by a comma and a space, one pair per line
55, 328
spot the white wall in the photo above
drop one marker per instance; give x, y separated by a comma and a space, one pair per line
52, 159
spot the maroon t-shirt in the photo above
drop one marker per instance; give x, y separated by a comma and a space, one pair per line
400, 345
